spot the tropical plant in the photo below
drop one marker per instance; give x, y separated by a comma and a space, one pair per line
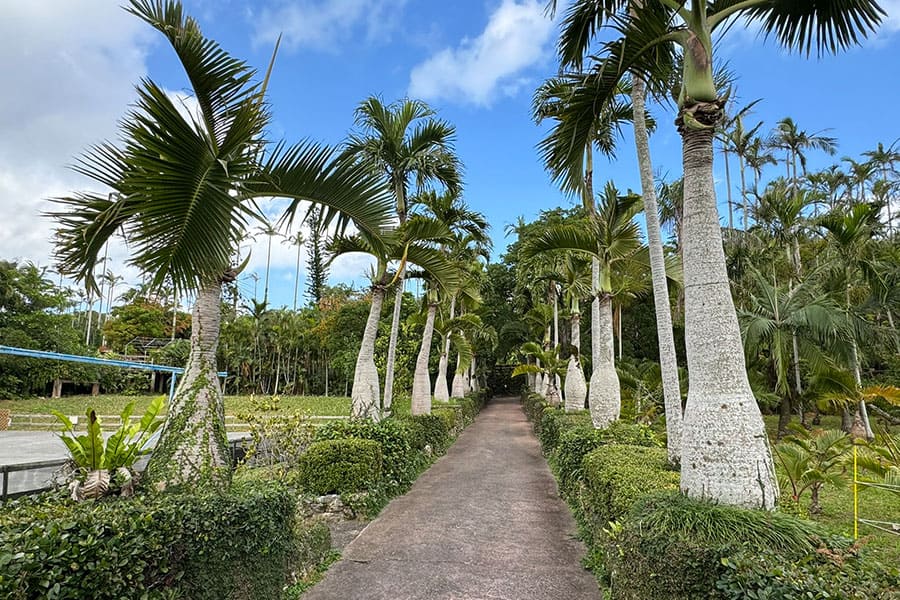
106, 466
812, 459
721, 411
548, 364
183, 187
404, 141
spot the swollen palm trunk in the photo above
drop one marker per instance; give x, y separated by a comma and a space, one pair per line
441, 392
459, 382
605, 397
576, 386
421, 389
725, 451
192, 451
365, 392
392, 344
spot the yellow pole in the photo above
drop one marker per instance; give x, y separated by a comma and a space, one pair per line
855, 499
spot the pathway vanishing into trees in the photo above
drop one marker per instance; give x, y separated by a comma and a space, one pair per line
484, 522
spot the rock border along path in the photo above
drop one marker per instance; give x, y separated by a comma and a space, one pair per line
484, 522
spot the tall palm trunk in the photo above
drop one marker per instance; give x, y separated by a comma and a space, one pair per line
725, 154
555, 295
441, 391
744, 204
576, 387
421, 389
725, 451
365, 393
192, 451
400, 193
668, 361
604, 398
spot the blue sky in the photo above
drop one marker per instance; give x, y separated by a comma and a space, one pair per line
72, 66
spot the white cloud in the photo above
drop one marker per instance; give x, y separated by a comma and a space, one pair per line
479, 70
67, 82
324, 24
892, 20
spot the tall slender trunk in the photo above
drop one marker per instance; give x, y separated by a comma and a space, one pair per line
192, 452
365, 394
668, 360
605, 397
744, 203
421, 389
392, 344
595, 313
725, 153
555, 295
441, 393
576, 386
725, 452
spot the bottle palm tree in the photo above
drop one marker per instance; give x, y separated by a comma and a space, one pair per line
183, 190
548, 366
721, 411
611, 236
412, 242
405, 142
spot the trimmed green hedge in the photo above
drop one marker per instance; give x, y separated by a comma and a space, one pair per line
400, 463
340, 466
617, 476
555, 422
235, 545
577, 442
674, 547
431, 431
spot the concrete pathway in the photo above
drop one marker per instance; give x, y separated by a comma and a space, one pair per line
484, 522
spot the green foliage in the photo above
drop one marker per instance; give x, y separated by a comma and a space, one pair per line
432, 430
578, 442
400, 464
840, 573
811, 459
673, 547
555, 421
340, 466
617, 476
277, 438
235, 545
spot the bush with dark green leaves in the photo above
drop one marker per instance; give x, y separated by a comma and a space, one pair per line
555, 421
670, 546
430, 431
400, 463
617, 476
577, 442
235, 545
534, 406
340, 466
826, 573
451, 418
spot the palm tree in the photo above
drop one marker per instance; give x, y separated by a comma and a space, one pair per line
884, 160
404, 141
757, 157
296, 240
183, 190
269, 230
576, 285
612, 237
412, 242
721, 411
794, 141
547, 365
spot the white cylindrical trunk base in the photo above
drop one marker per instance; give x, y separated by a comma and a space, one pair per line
576, 386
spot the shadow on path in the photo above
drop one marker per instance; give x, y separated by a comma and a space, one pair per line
484, 522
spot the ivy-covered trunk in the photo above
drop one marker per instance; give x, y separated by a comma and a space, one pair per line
725, 450
605, 397
366, 393
192, 452
421, 389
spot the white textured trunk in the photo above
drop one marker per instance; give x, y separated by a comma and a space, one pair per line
421, 389
725, 449
541, 385
459, 381
667, 358
392, 344
861, 418
576, 386
473, 378
192, 452
441, 392
605, 397
595, 312
365, 393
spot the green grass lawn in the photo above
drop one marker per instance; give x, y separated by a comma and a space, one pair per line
113, 405
837, 506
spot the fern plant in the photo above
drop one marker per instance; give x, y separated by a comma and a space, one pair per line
811, 459
104, 466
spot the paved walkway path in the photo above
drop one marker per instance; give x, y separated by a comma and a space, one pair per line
484, 522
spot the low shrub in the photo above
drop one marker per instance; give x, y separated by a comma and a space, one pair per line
555, 421
451, 419
400, 464
311, 544
671, 546
234, 545
429, 430
615, 477
340, 466
577, 442
824, 574
534, 406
